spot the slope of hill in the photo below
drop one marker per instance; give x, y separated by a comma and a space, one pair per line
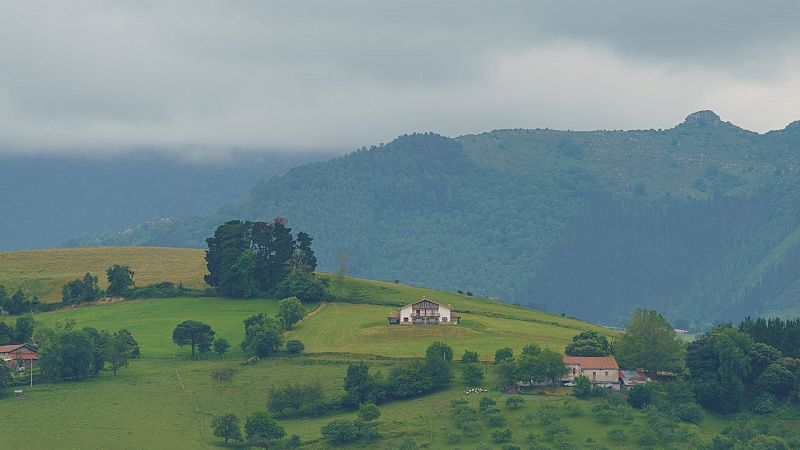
47, 201
695, 220
117, 411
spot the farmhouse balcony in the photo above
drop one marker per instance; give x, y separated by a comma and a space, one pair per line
426, 315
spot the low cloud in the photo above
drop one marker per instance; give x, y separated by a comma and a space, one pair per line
200, 78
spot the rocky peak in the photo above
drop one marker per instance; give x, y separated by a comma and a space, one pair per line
705, 118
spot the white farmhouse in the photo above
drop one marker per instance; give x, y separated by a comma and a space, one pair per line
424, 311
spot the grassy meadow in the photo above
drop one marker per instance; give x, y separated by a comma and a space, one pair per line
170, 404
43, 272
165, 402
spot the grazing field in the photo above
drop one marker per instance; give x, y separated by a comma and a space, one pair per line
170, 404
152, 320
43, 272
363, 329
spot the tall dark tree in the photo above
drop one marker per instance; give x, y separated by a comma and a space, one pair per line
304, 245
6, 334
197, 334
588, 343
120, 278
718, 365
23, 330
244, 258
80, 290
283, 248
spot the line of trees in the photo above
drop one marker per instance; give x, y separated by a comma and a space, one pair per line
71, 354
20, 333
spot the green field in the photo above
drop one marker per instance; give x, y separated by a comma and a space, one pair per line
152, 320
363, 329
170, 404
43, 272
161, 401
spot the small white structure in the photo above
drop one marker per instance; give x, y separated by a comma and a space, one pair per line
424, 311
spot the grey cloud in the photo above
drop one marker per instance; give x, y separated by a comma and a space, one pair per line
201, 77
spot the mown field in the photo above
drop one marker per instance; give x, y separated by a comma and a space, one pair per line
43, 272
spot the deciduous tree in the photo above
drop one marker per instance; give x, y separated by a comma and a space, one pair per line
227, 427
650, 343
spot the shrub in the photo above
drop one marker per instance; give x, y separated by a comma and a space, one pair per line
690, 412
486, 402
583, 387
472, 375
368, 412
494, 419
453, 437
500, 436
221, 346
293, 442
295, 347
599, 391
617, 435
572, 408
515, 401
642, 395
342, 431
503, 354
764, 403
509, 447
261, 429
469, 357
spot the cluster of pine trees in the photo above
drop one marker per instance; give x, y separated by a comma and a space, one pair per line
246, 258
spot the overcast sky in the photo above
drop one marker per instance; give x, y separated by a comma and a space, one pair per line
197, 78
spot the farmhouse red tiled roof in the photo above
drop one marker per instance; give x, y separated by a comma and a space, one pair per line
9, 348
592, 362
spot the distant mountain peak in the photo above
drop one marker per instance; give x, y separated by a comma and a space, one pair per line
703, 118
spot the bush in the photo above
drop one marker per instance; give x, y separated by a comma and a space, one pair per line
368, 412
494, 419
514, 402
295, 347
509, 447
342, 431
764, 403
599, 391
583, 387
572, 408
500, 436
486, 402
453, 437
469, 357
642, 395
503, 354
221, 346
472, 375
293, 442
617, 435
690, 412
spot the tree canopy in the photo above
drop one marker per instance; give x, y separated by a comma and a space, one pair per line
197, 334
650, 343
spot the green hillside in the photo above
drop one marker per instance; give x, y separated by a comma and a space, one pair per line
696, 220
163, 400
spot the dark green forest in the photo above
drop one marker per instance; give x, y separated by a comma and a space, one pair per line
700, 221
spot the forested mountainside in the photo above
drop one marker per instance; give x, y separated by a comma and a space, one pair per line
701, 221
47, 201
